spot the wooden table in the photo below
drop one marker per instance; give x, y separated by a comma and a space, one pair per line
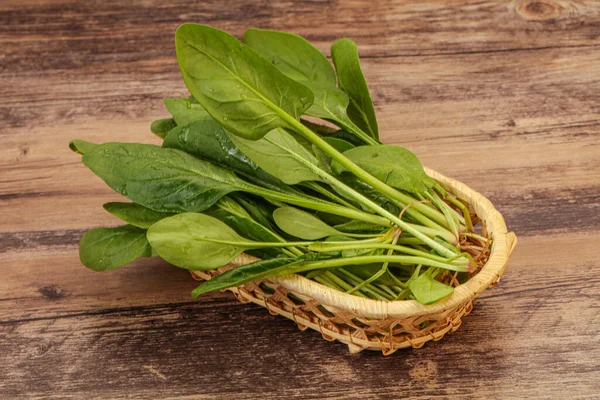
503, 96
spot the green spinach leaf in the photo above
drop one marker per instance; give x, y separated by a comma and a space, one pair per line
250, 229
347, 136
196, 241
301, 224
292, 55
260, 270
393, 165
206, 139
103, 249
185, 111
350, 78
255, 231
161, 127
229, 205
81, 146
240, 275
241, 90
369, 191
340, 145
275, 154
161, 179
359, 227
301, 61
261, 211
427, 290
347, 253
331, 219
135, 214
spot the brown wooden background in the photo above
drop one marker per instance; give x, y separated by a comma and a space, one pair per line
504, 96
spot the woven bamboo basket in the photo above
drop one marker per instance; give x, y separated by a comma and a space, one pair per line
366, 324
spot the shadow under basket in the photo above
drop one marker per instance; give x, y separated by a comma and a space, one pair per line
366, 324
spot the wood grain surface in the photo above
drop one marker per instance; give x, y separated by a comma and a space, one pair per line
504, 96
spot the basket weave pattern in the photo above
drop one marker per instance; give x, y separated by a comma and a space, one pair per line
373, 324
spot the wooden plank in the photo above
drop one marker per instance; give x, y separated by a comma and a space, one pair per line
100, 31
176, 349
54, 284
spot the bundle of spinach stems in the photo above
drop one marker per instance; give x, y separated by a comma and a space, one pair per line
276, 154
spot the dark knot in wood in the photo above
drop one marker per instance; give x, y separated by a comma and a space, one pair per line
539, 9
52, 292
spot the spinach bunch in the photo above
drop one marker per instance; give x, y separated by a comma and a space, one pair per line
242, 169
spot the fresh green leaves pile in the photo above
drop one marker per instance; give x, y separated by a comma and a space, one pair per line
242, 170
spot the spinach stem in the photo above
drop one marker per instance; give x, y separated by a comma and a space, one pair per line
465, 211
418, 216
320, 189
338, 246
324, 281
361, 260
368, 288
360, 235
347, 282
444, 208
351, 127
432, 233
337, 280
383, 269
289, 253
372, 278
386, 289
319, 205
476, 236
410, 240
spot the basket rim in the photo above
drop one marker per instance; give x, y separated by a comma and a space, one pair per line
503, 243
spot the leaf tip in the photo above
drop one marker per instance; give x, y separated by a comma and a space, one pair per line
81, 146
344, 43
249, 32
197, 292
161, 127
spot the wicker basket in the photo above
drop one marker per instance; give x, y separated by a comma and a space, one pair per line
373, 324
